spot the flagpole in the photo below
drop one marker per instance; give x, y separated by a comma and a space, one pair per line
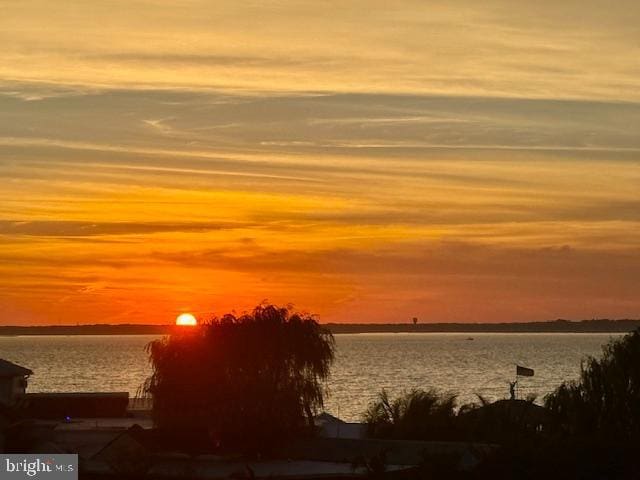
522, 372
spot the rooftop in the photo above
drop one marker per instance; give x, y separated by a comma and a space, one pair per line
8, 369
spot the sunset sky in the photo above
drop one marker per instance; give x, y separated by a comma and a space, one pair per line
368, 161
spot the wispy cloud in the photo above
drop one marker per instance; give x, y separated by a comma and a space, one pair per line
489, 48
58, 228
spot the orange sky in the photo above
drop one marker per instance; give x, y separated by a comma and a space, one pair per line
368, 162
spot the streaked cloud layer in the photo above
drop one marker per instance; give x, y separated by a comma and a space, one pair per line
453, 161
497, 47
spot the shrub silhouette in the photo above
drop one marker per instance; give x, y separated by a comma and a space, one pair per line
247, 382
414, 415
606, 399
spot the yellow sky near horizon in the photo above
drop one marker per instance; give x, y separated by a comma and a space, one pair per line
365, 161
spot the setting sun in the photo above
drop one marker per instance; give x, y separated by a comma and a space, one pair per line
186, 319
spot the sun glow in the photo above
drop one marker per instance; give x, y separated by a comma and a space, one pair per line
186, 320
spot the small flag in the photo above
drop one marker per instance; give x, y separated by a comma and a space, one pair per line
524, 371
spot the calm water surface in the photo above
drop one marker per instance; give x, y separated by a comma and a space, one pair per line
365, 363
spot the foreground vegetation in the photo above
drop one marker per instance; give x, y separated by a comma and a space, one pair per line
253, 382
587, 429
416, 415
248, 382
605, 402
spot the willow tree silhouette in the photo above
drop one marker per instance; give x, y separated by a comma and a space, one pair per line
605, 402
250, 381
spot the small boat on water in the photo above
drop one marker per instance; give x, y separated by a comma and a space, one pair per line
469, 338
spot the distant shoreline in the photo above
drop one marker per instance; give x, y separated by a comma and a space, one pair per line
555, 326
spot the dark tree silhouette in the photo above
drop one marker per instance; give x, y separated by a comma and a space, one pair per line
606, 400
249, 381
414, 415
